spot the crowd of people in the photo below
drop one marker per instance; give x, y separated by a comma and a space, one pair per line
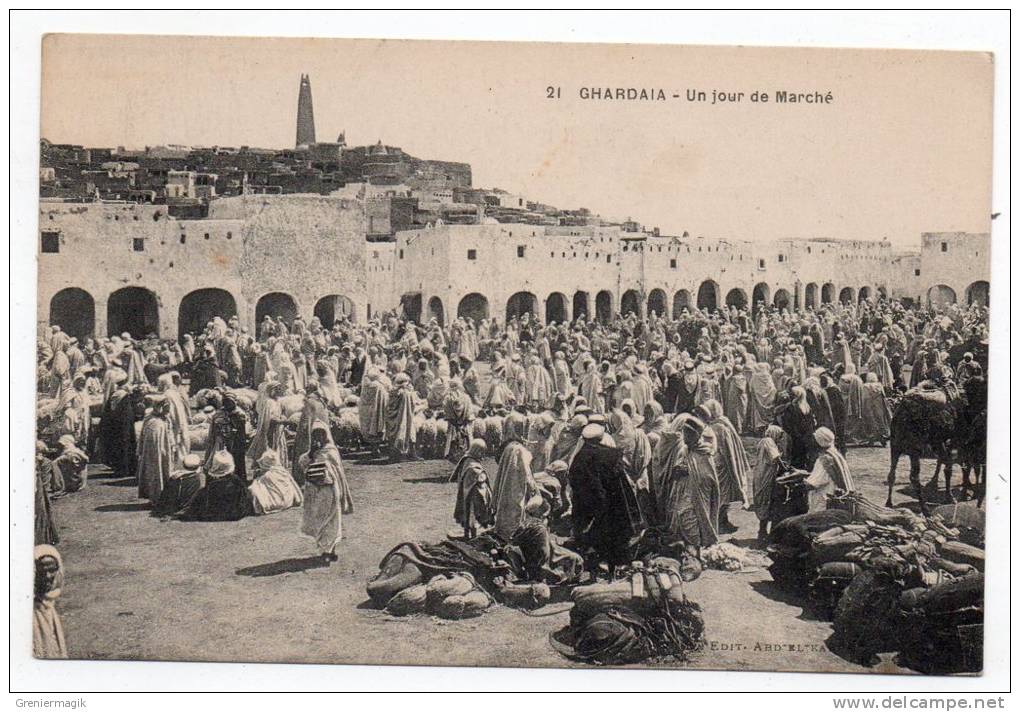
614, 428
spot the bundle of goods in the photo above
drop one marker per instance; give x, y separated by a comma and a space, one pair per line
497, 569
431, 441
730, 557
790, 546
966, 518
862, 509
493, 433
942, 627
346, 428
644, 615
245, 397
453, 596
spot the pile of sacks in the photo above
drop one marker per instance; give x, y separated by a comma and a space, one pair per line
858, 561
452, 596
345, 426
431, 440
644, 615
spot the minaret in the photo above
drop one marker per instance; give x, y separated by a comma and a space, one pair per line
305, 117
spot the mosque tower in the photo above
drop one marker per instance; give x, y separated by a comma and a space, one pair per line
305, 117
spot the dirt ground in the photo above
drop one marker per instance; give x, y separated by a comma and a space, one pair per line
139, 588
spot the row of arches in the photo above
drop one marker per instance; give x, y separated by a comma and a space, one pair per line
135, 310
942, 294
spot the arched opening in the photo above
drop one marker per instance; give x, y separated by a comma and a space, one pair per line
846, 295
474, 307
332, 308
811, 295
436, 311
134, 310
520, 304
736, 297
708, 295
604, 306
580, 305
630, 303
864, 294
681, 301
199, 307
760, 295
657, 302
941, 294
74, 311
410, 306
781, 300
556, 308
828, 292
977, 293
274, 305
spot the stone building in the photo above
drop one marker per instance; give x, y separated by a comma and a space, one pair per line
107, 268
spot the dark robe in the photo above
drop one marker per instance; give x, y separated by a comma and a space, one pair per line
686, 400
205, 374
837, 406
605, 514
224, 499
227, 431
178, 492
124, 442
45, 529
801, 429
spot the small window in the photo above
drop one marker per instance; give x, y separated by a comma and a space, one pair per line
472, 254
917, 273
809, 250
138, 244
609, 259
761, 264
51, 242
184, 238
782, 258
945, 247
672, 263
401, 254
520, 250
207, 236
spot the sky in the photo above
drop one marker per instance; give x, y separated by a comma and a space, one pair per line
904, 147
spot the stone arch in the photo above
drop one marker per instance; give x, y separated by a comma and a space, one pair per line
828, 293
134, 310
410, 306
521, 303
275, 304
657, 302
781, 299
736, 297
556, 308
708, 295
199, 307
436, 311
473, 306
580, 305
864, 294
811, 295
977, 293
630, 303
74, 311
760, 295
681, 301
604, 305
941, 294
332, 308
846, 295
